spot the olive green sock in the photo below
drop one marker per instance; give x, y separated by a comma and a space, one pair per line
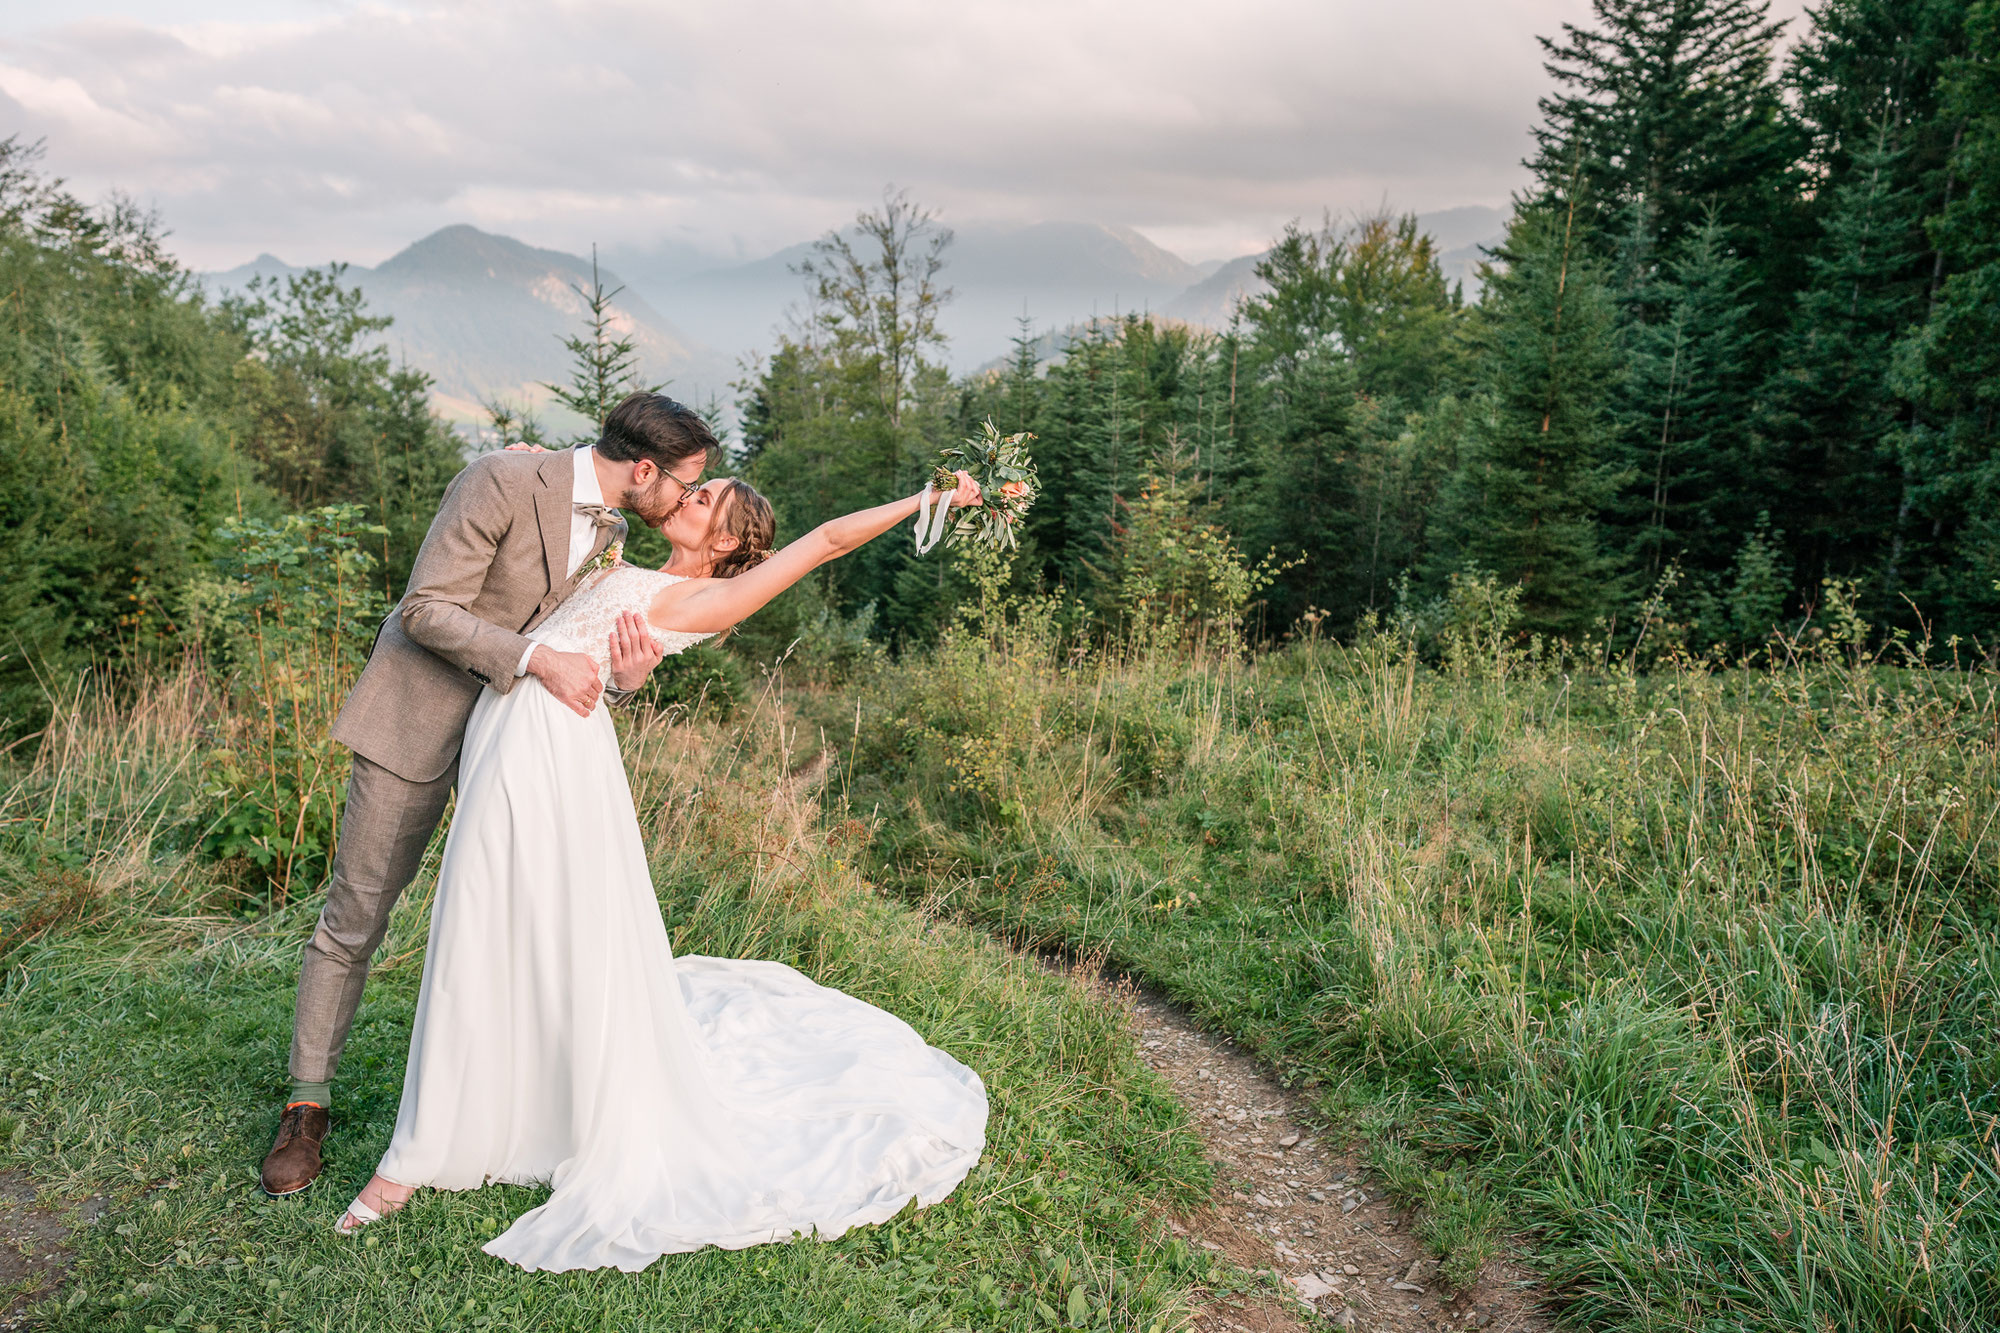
319, 1094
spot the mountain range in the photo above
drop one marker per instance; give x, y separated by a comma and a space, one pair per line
482, 314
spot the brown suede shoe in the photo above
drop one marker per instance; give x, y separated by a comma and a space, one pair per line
294, 1160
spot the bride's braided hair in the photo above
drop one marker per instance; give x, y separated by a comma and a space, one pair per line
746, 516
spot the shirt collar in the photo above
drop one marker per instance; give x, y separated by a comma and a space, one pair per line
584, 489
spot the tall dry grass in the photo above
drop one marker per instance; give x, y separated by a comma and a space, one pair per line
1693, 973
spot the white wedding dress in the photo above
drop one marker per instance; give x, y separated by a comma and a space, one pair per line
672, 1103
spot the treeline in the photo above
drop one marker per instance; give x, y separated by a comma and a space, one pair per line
1742, 338
136, 417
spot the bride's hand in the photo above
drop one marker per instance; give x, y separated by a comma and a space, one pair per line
634, 654
967, 493
523, 447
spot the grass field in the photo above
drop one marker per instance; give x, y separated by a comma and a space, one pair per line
1691, 976
145, 1018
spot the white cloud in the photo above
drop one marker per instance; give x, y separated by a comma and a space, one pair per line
65, 101
345, 131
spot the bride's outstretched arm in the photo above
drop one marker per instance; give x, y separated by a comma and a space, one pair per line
709, 606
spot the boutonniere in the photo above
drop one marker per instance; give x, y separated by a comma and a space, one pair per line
604, 559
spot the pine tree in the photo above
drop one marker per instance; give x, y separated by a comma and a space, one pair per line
1535, 471
1664, 109
1951, 364
604, 363
1829, 409
1690, 391
1304, 504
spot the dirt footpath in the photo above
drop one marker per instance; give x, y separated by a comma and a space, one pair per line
1289, 1202
34, 1247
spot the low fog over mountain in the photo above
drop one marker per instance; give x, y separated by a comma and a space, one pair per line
483, 313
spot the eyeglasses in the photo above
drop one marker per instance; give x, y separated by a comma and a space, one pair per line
687, 491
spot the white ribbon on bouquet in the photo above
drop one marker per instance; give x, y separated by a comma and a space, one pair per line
933, 516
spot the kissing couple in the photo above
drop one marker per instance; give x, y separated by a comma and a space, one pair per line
670, 1103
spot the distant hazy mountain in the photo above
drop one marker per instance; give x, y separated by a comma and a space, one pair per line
482, 314
1215, 298
1460, 234
1054, 272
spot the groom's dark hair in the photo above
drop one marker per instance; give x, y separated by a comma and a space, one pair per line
655, 427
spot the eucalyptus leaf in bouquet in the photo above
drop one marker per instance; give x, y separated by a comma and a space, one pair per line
1007, 487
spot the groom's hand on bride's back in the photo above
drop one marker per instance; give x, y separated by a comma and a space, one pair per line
570, 677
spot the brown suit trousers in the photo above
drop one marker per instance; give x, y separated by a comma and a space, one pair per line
493, 565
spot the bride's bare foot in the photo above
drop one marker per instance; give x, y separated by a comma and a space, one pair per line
378, 1199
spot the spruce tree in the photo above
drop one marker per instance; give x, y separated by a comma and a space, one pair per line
1829, 409
1866, 67
1690, 393
1304, 505
1664, 109
1950, 366
1022, 401
1865, 63
604, 363
1072, 518
1536, 470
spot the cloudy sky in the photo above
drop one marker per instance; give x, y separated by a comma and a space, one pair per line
321, 129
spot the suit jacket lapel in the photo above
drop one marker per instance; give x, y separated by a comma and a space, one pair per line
552, 513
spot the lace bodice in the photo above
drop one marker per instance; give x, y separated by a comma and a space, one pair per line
583, 624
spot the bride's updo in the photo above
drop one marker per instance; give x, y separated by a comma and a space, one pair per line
746, 516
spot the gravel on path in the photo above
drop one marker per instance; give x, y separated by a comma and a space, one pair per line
1290, 1202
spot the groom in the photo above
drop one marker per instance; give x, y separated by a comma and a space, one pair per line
503, 552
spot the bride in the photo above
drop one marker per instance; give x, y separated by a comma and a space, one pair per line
670, 1103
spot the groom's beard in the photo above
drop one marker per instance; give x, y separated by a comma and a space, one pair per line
655, 504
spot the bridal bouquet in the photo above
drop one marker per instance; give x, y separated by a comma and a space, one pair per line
1007, 486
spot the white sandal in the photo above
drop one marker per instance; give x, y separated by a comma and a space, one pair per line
362, 1215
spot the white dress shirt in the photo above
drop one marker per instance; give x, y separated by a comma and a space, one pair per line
584, 490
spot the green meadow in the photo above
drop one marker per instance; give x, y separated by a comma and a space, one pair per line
145, 1019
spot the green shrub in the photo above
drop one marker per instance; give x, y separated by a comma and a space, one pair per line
291, 614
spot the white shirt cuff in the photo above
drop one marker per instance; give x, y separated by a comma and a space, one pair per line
522, 669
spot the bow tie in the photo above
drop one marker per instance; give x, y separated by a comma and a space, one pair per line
602, 516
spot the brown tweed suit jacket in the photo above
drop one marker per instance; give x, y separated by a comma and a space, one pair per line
493, 565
